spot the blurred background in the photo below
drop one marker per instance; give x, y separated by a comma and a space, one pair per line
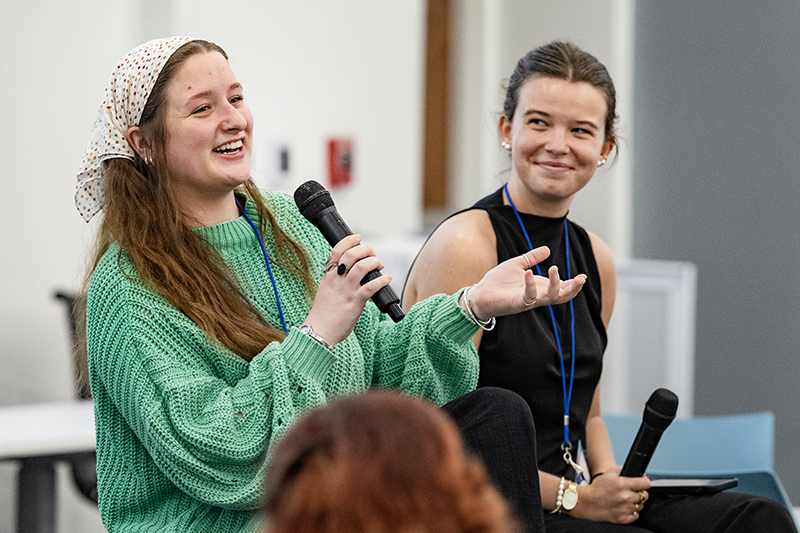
394, 107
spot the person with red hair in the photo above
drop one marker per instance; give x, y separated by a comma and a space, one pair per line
380, 462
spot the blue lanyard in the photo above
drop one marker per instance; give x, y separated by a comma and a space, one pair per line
567, 394
266, 260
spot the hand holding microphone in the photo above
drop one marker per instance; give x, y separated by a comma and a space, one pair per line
339, 300
613, 498
316, 205
620, 494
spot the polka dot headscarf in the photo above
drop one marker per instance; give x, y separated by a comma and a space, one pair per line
127, 91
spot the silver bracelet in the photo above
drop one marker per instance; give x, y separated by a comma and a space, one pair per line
486, 325
305, 328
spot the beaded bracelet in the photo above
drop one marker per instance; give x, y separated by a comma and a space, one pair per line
486, 325
560, 496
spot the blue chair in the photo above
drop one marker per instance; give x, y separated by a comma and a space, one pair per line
740, 446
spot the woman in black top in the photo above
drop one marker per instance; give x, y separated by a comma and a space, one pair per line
558, 125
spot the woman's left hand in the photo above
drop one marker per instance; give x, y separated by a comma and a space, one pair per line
511, 287
612, 498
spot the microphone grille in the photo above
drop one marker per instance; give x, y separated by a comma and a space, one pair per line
312, 198
660, 409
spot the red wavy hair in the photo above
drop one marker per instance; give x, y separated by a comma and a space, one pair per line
380, 462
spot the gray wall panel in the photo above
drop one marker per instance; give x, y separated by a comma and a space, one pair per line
717, 182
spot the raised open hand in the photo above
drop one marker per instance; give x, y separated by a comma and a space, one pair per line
511, 287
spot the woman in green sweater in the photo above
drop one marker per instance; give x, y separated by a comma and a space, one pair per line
216, 314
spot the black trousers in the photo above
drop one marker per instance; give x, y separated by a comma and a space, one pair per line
498, 427
723, 512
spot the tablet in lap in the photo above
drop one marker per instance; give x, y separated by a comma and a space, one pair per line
660, 487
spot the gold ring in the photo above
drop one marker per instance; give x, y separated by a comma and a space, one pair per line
642, 497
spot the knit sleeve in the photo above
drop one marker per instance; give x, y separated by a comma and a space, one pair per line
429, 353
204, 416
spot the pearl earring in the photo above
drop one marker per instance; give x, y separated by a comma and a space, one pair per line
505, 145
601, 163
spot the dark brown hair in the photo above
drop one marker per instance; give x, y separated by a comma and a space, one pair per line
567, 62
142, 214
379, 462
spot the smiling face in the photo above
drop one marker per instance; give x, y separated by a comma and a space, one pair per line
557, 138
209, 130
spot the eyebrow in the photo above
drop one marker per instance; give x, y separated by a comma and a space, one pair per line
548, 115
205, 94
535, 112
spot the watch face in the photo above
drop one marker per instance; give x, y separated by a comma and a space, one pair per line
570, 499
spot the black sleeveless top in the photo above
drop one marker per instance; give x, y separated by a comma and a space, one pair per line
520, 353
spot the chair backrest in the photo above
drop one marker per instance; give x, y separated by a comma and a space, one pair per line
82, 391
705, 445
764, 483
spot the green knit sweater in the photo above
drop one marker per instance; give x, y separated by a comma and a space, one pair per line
185, 428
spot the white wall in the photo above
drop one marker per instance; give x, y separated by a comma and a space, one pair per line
313, 70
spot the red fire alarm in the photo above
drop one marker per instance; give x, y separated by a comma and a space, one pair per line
340, 161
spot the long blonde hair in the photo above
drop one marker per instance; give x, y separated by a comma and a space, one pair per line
142, 214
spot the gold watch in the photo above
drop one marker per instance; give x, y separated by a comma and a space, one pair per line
570, 498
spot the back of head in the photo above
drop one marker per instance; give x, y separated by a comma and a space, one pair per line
379, 462
566, 61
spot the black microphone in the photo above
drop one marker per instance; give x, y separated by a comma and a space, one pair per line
659, 411
315, 203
